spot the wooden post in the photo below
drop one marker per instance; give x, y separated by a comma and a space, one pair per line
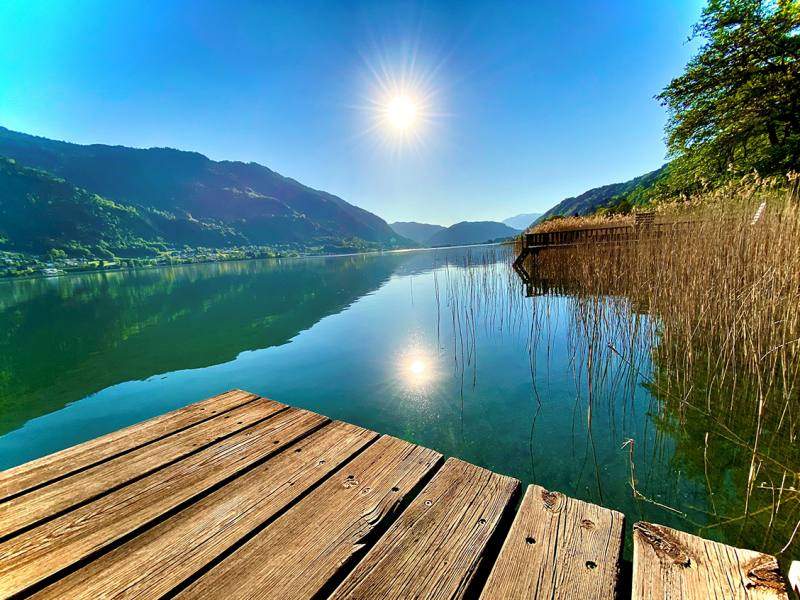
794, 190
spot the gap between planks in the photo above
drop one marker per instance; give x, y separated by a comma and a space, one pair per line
299, 553
37, 556
48, 469
66, 494
174, 551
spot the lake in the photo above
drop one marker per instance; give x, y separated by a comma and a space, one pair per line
438, 347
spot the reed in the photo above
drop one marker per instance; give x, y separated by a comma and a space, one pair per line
706, 315
566, 223
723, 291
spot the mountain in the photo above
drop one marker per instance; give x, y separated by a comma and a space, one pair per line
521, 221
226, 202
471, 232
39, 211
419, 232
607, 195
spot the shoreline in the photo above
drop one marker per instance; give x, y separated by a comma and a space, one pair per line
230, 260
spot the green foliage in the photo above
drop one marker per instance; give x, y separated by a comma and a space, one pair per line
183, 198
44, 215
736, 107
638, 191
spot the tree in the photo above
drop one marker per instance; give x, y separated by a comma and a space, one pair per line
736, 107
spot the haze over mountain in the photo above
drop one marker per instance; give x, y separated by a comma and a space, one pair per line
521, 221
419, 232
471, 232
174, 197
463, 233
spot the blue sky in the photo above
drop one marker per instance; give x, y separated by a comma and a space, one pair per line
524, 102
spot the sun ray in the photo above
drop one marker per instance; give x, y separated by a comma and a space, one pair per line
401, 102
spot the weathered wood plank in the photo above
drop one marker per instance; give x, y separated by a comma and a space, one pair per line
298, 554
39, 553
436, 545
558, 548
154, 563
38, 472
28, 509
672, 564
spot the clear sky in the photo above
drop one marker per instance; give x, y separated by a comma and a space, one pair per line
522, 103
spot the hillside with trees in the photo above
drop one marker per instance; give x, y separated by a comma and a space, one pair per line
41, 213
62, 196
733, 112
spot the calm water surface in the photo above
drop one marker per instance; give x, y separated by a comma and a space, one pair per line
419, 345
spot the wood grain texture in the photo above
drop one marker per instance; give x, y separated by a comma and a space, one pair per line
35, 555
61, 495
154, 563
38, 472
436, 545
558, 548
672, 564
298, 554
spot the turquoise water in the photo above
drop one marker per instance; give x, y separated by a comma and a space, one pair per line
438, 347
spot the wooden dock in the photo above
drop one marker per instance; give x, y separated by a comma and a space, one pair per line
644, 228
238, 496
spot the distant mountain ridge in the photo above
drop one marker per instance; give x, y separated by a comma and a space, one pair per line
247, 202
521, 221
463, 233
419, 232
471, 232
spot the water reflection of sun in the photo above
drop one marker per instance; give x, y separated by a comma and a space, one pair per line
417, 368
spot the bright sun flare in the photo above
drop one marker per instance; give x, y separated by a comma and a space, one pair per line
401, 112
417, 367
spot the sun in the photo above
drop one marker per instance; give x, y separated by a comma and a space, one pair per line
402, 98
402, 112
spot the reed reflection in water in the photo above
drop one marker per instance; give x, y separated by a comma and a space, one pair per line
708, 446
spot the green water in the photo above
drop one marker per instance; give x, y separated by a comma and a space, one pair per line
418, 345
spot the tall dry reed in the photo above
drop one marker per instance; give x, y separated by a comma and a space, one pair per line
723, 287
566, 223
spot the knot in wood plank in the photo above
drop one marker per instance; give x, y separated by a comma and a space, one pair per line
553, 501
666, 545
763, 572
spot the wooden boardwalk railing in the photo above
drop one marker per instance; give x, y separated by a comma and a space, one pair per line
241, 497
644, 228
594, 235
